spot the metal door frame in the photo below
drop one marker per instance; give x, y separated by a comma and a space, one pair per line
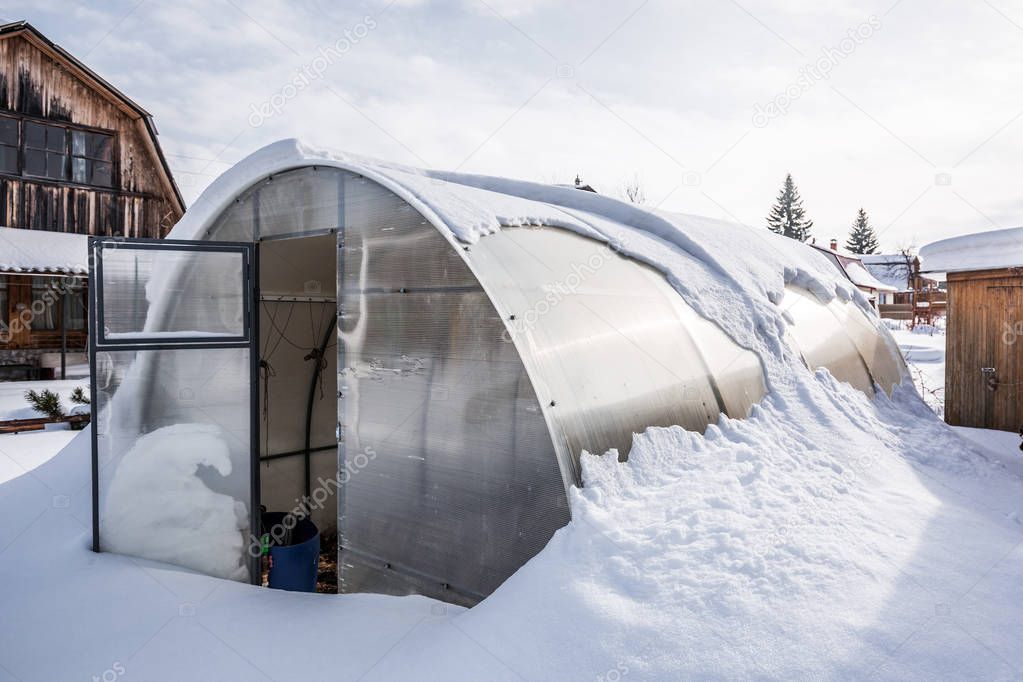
249, 339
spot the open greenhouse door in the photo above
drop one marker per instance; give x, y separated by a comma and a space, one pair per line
174, 398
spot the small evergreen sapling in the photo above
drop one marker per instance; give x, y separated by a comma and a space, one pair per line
45, 401
78, 396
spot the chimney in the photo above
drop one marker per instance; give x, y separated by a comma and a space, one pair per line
834, 245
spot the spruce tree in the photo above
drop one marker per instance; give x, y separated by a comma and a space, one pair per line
787, 215
862, 238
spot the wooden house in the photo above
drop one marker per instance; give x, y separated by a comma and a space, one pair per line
78, 157
851, 265
984, 355
914, 297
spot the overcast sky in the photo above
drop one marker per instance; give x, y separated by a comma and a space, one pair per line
910, 109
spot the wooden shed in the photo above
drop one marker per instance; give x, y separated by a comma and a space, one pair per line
984, 356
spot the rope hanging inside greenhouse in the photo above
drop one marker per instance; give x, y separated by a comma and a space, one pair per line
319, 329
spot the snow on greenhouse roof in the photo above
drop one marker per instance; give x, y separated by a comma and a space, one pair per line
468, 207
732, 274
980, 251
38, 251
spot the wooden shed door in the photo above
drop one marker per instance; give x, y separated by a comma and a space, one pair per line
1003, 334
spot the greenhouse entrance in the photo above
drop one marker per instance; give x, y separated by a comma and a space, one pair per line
297, 316
268, 333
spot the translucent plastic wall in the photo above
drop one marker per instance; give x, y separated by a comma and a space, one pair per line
840, 337
611, 347
452, 478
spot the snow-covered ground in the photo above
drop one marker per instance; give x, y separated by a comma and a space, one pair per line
761, 549
758, 550
12, 396
924, 350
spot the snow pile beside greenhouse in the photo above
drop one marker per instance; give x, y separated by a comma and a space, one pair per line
828, 534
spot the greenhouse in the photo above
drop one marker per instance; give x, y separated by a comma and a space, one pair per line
415, 361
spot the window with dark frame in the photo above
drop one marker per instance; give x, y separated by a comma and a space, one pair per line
56, 152
45, 151
44, 304
8, 144
92, 158
76, 309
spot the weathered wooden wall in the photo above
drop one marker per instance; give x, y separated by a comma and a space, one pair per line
33, 84
985, 318
83, 210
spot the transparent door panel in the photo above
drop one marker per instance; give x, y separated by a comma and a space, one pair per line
202, 292
173, 447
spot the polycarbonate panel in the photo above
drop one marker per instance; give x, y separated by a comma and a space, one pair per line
818, 332
299, 201
237, 223
173, 446
451, 481
877, 348
207, 289
294, 202
612, 349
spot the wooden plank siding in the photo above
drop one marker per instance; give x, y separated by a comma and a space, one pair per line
142, 203
59, 207
985, 316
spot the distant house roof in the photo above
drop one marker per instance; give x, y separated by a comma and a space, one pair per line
862, 277
890, 269
585, 188
991, 250
42, 252
90, 77
850, 265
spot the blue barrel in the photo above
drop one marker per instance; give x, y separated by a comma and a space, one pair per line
294, 555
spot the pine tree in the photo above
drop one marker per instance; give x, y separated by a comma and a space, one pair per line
787, 215
862, 238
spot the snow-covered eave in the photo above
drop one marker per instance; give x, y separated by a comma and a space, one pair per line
40, 252
992, 250
50, 272
994, 268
